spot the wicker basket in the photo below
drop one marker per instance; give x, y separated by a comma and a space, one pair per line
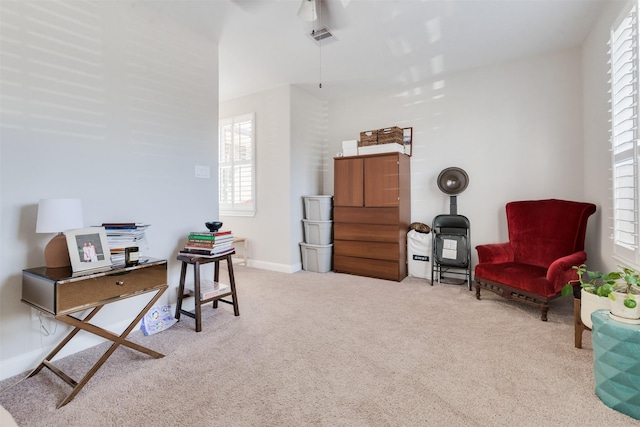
369, 137
381, 136
390, 135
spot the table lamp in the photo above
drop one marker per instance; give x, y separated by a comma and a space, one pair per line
56, 216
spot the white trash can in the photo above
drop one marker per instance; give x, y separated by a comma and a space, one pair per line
419, 254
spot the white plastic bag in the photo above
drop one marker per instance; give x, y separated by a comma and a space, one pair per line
157, 319
419, 254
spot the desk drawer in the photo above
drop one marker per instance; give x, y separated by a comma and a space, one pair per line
99, 290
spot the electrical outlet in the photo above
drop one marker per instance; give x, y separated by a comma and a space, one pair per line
203, 171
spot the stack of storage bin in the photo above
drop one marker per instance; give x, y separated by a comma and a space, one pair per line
318, 234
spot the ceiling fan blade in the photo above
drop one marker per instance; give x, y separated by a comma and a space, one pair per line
252, 6
331, 15
307, 11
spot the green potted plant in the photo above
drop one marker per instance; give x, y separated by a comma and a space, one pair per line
625, 296
595, 288
617, 291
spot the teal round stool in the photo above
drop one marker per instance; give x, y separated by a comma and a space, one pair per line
616, 363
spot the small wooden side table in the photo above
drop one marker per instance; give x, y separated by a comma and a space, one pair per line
578, 326
196, 262
57, 292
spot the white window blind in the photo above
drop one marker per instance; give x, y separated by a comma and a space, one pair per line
624, 135
237, 166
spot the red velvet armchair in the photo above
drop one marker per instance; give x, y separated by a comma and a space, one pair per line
546, 239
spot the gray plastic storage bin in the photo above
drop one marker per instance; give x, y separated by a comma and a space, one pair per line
316, 257
317, 232
317, 208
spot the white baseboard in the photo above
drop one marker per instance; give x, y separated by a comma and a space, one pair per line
281, 268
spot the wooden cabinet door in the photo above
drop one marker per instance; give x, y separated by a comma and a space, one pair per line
348, 182
381, 184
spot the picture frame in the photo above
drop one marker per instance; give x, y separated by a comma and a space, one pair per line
407, 138
88, 250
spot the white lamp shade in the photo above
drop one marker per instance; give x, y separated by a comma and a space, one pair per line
307, 11
58, 215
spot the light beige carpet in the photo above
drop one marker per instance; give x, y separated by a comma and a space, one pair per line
336, 350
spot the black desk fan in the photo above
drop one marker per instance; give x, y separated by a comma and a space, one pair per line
453, 181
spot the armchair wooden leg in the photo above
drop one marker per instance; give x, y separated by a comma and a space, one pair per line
543, 312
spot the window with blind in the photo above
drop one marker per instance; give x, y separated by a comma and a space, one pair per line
624, 135
236, 166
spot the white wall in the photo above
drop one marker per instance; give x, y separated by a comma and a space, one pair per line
515, 128
268, 233
597, 155
110, 103
290, 126
308, 154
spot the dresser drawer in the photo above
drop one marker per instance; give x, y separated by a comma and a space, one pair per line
91, 292
365, 232
362, 215
373, 250
382, 269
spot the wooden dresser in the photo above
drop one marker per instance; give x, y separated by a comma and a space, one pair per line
371, 215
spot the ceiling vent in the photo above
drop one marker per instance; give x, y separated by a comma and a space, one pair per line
322, 35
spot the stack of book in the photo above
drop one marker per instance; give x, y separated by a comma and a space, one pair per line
121, 235
208, 289
206, 243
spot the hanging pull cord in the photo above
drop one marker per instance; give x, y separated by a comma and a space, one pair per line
319, 48
313, 34
320, 61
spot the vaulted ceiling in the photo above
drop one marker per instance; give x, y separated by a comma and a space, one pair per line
380, 43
